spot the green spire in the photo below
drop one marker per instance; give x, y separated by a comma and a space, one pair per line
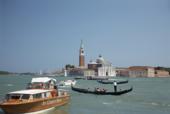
81, 45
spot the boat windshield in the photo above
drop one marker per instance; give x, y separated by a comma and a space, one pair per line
37, 96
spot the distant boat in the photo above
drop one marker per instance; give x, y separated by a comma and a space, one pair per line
96, 78
79, 77
100, 91
67, 83
51, 75
41, 95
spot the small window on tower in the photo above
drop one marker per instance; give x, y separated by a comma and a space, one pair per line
82, 51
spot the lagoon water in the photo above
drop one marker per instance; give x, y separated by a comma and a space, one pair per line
150, 96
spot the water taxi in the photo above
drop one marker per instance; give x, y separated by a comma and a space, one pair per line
37, 98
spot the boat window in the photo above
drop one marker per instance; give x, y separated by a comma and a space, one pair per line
7, 97
14, 96
46, 85
31, 97
48, 94
45, 95
25, 96
37, 96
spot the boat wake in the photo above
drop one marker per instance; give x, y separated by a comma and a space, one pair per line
154, 104
9, 85
107, 103
158, 104
151, 103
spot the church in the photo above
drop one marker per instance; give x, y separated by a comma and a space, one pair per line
100, 67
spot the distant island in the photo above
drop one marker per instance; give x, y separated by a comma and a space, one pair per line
133, 71
5, 73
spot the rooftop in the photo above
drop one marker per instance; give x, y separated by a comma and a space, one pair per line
139, 67
42, 79
30, 91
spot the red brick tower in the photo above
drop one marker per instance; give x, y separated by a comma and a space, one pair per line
81, 56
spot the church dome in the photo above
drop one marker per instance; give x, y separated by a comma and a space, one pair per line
100, 60
92, 62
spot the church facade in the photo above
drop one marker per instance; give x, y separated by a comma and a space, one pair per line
102, 67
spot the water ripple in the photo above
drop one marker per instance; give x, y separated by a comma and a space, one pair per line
9, 85
107, 103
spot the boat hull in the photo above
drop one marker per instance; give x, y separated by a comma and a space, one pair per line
34, 106
45, 111
81, 90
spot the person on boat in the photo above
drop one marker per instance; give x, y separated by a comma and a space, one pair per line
97, 89
115, 86
88, 89
103, 90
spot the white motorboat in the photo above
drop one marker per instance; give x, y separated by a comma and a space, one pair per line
67, 83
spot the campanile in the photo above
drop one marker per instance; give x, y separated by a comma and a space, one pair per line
81, 56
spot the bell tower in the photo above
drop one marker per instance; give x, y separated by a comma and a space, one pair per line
81, 56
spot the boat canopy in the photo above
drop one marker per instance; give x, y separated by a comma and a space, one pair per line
42, 79
30, 91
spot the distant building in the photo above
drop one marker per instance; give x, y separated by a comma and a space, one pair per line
93, 65
141, 71
81, 72
106, 71
81, 56
76, 72
123, 72
102, 67
161, 73
88, 72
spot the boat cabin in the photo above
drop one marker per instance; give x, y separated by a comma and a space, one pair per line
28, 95
42, 83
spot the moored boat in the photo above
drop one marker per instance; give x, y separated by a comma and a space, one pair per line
79, 77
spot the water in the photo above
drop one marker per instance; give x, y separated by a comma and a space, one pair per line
150, 96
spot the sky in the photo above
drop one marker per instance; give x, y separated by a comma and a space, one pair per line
46, 34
